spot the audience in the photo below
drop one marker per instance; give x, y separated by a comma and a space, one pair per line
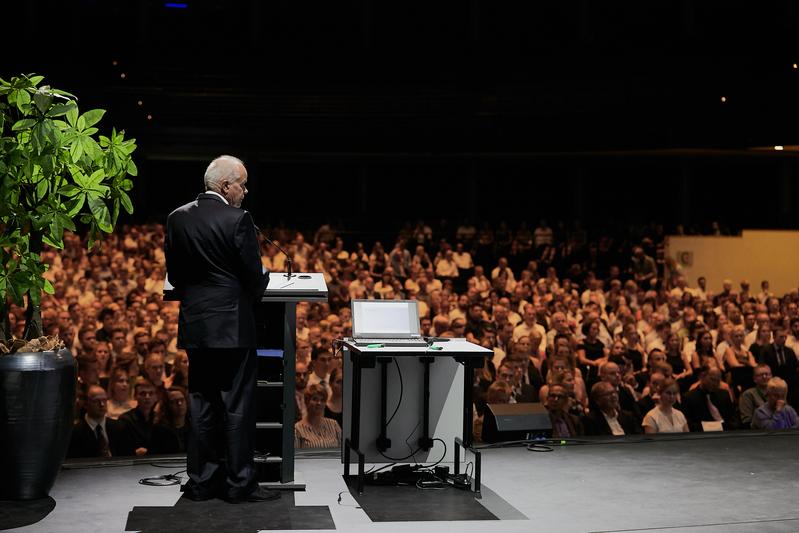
557, 305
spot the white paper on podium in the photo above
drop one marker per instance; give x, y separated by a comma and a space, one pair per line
301, 283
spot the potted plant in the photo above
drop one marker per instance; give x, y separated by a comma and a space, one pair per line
56, 172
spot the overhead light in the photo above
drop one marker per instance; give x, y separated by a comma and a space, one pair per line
779, 147
723, 99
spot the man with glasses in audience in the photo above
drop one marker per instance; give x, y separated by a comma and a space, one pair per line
564, 424
754, 397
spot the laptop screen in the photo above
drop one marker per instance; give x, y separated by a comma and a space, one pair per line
385, 318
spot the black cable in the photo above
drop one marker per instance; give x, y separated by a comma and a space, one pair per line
399, 402
162, 481
537, 447
442, 457
341, 504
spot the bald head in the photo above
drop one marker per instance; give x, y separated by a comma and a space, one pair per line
227, 176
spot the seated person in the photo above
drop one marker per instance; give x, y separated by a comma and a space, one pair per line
170, 430
333, 408
611, 373
499, 392
564, 424
775, 413
95, 435
137, 424
606, 417
567, 381
119, 400
651, 395
314, 430
708, 403
664, 418
754, 397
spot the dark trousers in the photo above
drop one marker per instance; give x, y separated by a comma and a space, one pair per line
221, 416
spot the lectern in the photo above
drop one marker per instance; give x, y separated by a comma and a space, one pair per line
276, 322
276, 318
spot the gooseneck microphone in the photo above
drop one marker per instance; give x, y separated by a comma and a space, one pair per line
288, 273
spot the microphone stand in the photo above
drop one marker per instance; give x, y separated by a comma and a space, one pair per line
288, 274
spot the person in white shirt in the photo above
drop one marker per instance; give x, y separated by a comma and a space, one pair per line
481, 282
528, 325
462, 258
446, 267
664, 418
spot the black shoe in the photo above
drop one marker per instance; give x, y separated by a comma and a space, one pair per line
258, 495
193, 493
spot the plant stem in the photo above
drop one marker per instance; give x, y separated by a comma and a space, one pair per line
33, 314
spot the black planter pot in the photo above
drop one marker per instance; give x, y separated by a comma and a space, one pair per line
37, 398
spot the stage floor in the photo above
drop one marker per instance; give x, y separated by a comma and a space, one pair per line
707, 484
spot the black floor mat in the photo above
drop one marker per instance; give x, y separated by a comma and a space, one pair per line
24, 513
218, 515
410, 504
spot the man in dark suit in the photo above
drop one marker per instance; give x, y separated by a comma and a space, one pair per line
95, 435
606, 417
708, 402
783, 363
213, 261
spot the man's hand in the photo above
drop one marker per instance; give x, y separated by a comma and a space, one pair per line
141, 451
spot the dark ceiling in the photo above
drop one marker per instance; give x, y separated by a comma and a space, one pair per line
370, 83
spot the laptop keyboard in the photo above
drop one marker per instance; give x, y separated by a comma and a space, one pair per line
391, 342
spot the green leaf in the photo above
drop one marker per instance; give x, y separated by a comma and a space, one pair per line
68, 190
95, 179
101, 214
74, 206
24, 124
127, 205
48, 287
66, 221
76, 150
59, 110
81, 124
132, 169
41, 189
42, 101
72, 115
36, 80
23, 99
63, 93
92, 117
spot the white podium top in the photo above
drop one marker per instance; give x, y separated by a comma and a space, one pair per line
452, 347
304, 285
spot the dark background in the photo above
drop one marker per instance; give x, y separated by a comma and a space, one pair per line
367, 113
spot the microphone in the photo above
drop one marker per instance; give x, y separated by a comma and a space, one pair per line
288, 273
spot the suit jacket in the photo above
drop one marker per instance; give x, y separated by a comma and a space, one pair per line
214, 262
695, 409
135, 432
786, 371
84, 443
595, 423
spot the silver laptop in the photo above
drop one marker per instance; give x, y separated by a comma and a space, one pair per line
386, 322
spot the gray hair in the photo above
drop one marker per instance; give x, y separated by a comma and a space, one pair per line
221, 168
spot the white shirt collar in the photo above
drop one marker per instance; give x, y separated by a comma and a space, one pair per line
94, 423
216, 193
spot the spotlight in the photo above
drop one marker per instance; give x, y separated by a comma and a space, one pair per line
779, 148
723, 99
123, 75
